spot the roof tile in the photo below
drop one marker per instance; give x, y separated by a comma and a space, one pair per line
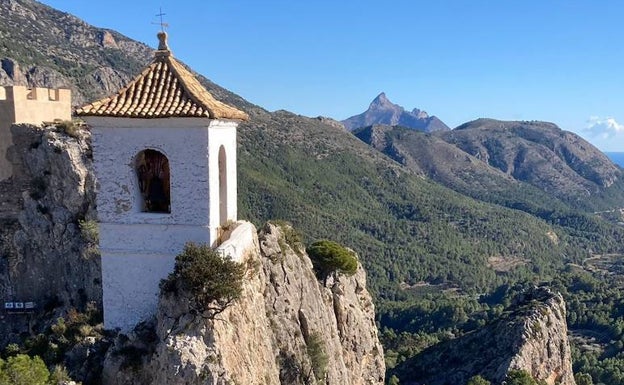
162, 90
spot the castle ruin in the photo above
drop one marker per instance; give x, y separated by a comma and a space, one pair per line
19, 104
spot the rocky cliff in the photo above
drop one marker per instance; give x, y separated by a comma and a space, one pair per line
47, 238
288, 328
532, 336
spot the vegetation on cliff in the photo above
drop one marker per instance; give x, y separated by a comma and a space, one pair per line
440, 263
212, 281
330, 257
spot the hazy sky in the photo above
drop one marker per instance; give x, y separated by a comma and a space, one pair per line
554, 60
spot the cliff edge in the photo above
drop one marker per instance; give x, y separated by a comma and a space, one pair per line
287, 328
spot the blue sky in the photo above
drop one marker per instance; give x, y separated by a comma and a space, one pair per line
553, 60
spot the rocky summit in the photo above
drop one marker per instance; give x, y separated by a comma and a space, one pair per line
531, 336
383, 111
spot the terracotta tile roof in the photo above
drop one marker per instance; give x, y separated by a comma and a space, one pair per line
164, 89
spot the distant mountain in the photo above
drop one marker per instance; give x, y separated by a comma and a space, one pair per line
383, 111
453, 167
533, 166
411, 232
558, 162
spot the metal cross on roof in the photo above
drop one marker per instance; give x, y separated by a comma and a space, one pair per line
162, 24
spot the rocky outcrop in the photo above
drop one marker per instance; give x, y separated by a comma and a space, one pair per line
331, 122
47, 205
288, 328
531, 336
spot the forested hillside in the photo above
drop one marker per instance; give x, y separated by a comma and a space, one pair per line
441, 260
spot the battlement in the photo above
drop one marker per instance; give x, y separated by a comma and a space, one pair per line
38, 94
19, 104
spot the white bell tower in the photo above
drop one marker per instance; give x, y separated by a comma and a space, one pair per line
164, 153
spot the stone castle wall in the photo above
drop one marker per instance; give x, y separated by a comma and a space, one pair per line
19, 104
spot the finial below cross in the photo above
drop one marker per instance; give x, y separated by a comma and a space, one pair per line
163, 25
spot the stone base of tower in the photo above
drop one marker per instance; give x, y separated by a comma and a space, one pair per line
131, 287
135, 258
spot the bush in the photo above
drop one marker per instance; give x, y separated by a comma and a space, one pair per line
90, 231
292, 237
478, 380
59, 375
69, 128
330, 257
520, 377
318, 357
583, 379
23, 370
212, 281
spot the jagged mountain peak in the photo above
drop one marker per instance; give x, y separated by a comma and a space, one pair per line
382, 101
420, 113
382, 111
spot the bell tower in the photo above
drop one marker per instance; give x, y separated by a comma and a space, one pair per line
164, 153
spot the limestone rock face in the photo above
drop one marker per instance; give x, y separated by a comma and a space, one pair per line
532, 336
45, 255
545, 351
269, 336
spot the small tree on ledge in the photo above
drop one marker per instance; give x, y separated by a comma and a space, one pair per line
211, 281
329, 257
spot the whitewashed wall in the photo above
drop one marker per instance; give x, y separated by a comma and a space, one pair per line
138, 249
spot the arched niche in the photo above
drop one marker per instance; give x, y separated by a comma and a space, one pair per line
223, 196
154, 180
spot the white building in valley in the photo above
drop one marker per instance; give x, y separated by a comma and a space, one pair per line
164, 152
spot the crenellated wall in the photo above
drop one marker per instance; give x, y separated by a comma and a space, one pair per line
19, 104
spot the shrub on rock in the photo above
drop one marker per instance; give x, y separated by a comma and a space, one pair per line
211, 281
330, 257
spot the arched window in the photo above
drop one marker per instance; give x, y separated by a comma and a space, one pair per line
223, 198
152, 168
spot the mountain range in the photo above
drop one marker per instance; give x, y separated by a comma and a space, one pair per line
331, 184
517, 164
383, 111
440, 211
